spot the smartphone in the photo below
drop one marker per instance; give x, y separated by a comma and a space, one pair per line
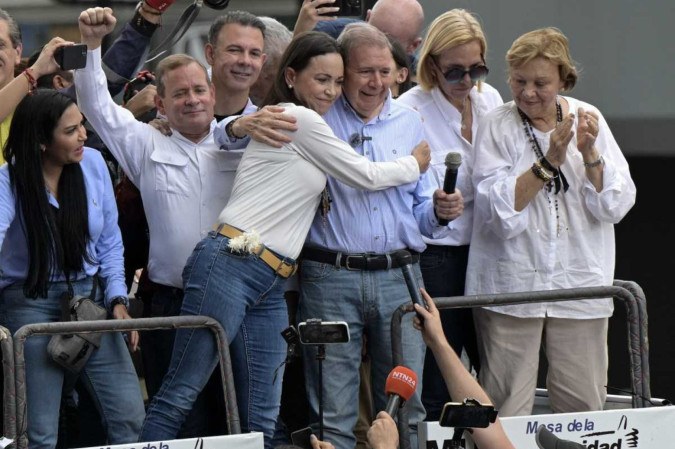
71, 57
467, 415
301, 439
317, 332
349, 8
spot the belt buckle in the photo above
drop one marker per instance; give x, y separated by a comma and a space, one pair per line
347, 257
282, 264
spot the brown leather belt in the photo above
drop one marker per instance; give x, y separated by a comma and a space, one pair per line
280, 266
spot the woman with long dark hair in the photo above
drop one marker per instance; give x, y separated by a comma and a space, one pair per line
59, 236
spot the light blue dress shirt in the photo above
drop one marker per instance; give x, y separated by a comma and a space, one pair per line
105, 242
383, 221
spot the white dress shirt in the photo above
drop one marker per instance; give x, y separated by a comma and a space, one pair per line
442, 129
184, 185
277, 190
541, 248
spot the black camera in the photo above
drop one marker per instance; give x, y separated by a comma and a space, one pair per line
71, 57
467, 414
317, 332
349, 8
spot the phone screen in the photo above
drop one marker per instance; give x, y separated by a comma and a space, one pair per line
301, 438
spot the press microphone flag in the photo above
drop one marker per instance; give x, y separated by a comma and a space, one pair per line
400, 386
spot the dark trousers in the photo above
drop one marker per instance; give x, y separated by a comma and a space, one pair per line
444, 271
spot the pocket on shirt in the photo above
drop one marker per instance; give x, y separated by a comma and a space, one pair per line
171, 173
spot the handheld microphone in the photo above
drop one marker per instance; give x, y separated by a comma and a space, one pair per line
452, 163
404, 260
400, 386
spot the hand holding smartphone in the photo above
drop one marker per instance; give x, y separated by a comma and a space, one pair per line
348, 8
301, 438
71, 57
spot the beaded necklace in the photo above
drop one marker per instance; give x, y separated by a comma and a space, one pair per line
558, 176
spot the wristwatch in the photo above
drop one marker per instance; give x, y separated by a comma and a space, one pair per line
119, 300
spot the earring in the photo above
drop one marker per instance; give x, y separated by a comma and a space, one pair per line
43, 148
290, 86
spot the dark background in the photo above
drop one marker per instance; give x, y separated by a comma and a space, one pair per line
645, 240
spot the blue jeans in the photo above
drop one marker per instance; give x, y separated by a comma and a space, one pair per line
444, 271
109, 374
246, 297
366, 300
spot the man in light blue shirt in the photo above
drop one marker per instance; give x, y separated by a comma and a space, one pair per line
348, 273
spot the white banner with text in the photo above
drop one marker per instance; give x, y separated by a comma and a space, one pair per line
646, 428
253, 440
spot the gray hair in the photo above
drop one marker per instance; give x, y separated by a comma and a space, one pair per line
14, 31
361, 34
243, 18
277, 37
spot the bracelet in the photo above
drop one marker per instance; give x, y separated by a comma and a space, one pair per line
541, 173
548, 166
32, 82
230, 132
594, 163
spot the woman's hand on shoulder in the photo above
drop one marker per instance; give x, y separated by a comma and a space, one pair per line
266, 125
422, 153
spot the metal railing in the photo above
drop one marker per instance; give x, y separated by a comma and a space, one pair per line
636, 311
114, 326
9, 392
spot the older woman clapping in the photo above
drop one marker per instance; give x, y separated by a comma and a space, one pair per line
550, 182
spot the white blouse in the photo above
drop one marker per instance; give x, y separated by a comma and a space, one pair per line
556, 241
442, 130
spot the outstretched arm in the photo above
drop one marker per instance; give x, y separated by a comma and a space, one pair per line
460, 382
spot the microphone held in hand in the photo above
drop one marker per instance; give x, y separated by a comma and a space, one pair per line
452, 163
400, 386
404, 260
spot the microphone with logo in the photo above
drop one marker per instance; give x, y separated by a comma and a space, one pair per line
400, 386
452, 163
404, 260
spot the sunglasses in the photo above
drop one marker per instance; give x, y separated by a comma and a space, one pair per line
456, 75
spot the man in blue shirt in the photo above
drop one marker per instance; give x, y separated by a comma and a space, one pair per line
348, 272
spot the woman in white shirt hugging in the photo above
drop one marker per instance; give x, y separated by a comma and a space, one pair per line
237, 273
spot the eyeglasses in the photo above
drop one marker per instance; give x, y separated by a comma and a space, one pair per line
456, 74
